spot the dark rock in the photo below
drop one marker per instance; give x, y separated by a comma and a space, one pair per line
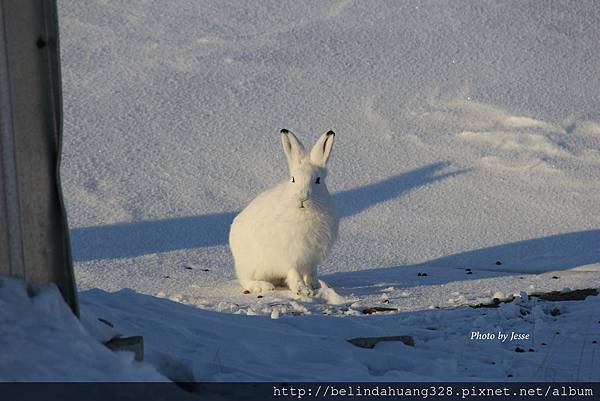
133, 344
371, 342
375, 309
575, 295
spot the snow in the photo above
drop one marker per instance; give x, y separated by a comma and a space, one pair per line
185, 342
467, 137
41, 340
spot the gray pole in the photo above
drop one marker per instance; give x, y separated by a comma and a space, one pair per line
34, 237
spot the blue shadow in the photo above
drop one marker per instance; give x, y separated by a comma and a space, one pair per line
533, 256
125, 240
555, 252
356, 200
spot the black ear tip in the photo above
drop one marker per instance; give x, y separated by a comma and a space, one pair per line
284, 131
330, 133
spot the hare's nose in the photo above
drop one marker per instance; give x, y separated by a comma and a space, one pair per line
303, 198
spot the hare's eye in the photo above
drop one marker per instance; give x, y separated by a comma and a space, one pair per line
318, 180
292, 180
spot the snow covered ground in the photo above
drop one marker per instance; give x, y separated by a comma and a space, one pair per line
468, 137
41, 340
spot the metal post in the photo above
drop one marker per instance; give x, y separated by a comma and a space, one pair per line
34, 242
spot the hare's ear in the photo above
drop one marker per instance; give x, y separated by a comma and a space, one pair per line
320, 152
292, 147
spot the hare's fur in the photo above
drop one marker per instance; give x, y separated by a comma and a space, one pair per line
286, 231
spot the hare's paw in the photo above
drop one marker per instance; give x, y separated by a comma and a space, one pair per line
312, 282
304, 290
258, 286
297, 284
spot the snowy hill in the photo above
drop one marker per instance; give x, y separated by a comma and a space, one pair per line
468, 137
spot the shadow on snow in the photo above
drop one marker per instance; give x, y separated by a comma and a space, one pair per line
538, 255
124, 240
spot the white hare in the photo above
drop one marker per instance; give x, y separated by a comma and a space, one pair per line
286, 231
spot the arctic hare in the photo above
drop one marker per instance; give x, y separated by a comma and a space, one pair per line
286, 231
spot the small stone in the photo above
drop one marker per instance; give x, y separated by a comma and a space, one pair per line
594, 342
188, 268
469, 272
371, 342
166, 276
555, 312
205, 270
555, 277
375, 309
246, 292
519, 349
509, 375
386, 301
544, 344
531, 350
133, 344
259, 296
498, 263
